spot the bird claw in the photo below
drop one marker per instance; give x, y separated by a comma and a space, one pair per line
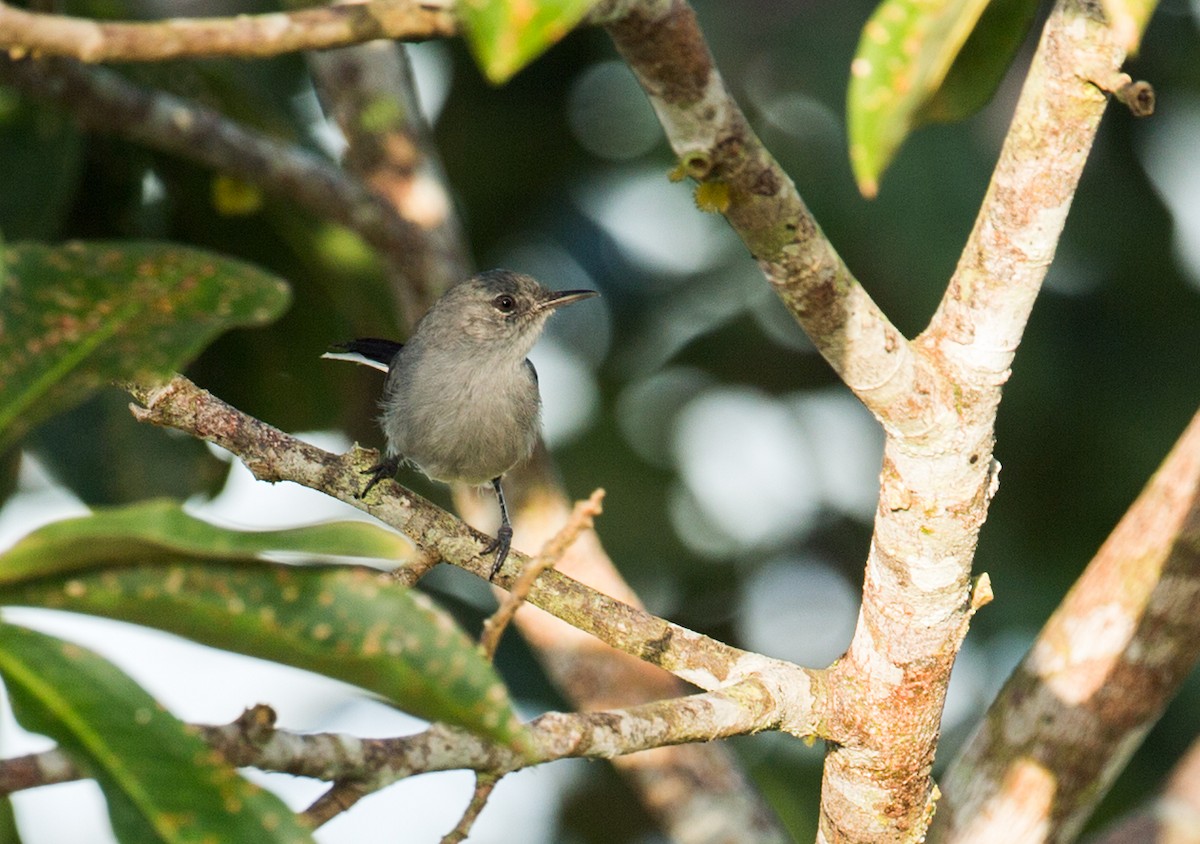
501, 545
382, 470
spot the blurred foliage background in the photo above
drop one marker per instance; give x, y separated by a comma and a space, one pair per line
740, 475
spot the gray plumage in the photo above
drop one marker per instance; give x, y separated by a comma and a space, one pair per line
461, 402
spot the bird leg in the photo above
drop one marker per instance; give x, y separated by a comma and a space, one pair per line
384, 469
503, 540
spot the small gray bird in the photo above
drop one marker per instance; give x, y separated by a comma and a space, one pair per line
461, 401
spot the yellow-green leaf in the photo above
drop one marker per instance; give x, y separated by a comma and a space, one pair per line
506, 35
924, 60
153, 529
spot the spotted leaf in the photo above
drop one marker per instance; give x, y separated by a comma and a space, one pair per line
156, 566
78, 316
925, 60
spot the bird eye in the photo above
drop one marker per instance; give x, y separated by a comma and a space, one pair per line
504, 303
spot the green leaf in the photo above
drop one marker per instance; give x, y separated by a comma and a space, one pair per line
906, 55
153, 564
980, 66
77, 316
506, 35
343, 622
9, 834
162, 783
157, 529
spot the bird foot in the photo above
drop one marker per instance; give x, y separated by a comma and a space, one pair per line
501, 545
381, 471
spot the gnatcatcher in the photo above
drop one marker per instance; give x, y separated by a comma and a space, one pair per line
461, 402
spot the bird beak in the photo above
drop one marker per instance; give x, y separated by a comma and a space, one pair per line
565, 297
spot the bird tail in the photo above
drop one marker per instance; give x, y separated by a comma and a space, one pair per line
369, 351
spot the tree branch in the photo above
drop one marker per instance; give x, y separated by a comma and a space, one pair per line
360, 766
369, 91
25, 33
484, 784
272, 455
1174, 816
104, 101
397, 158
983, 313
243, 36
1099, 675
664, 46
936, 486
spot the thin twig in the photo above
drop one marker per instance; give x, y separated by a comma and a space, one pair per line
25, 32
340, 796
484, 785
582, 518
416, 566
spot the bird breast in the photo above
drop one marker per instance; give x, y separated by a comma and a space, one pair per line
466, 419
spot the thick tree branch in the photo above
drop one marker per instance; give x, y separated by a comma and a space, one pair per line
937, 484
1099, 675
985, 308
244, 36
938, 475
272, 455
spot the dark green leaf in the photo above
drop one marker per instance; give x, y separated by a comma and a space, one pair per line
153, 564
506, 35
347, 623
106, 457
162, 783
77, 316
40, 156
904, 56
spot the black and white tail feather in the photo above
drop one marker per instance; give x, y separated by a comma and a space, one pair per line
368, 351
377, 354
